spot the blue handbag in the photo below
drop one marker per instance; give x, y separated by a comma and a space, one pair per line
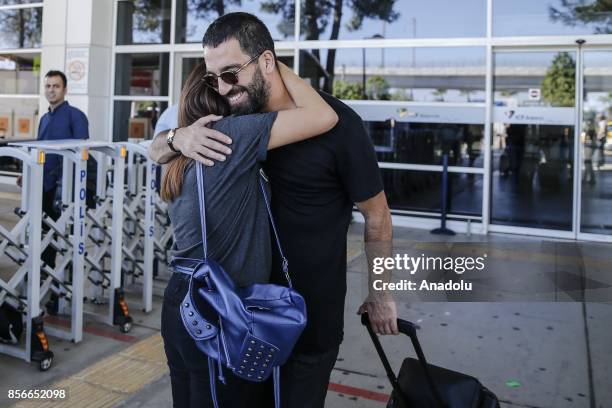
251, 330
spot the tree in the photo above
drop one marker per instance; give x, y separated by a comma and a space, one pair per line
467, 93
152, 15
506, 93
401, 95
377, 88
202, 8
439, 94
317, 15
572, 13
347, 90
24, 25
559, 84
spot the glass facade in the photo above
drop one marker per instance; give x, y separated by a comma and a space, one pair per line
440, 74
533, 143
141, 74
194, 16
20, 76
420, 191
596, 144
551, 17
143, 22
528, 136
523, 150
19, 73
15, 2
18, 118
426, 143
20, 28
136, 119
360, 20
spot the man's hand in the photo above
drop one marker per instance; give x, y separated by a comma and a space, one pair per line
382, 313
19, 181
201, 143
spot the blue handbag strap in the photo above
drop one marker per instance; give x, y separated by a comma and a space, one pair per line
202, 205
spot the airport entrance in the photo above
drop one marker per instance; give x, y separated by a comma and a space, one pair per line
533, 141
550, 154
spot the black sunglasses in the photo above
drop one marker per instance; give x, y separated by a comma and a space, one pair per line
230, 77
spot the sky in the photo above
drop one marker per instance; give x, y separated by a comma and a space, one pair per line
423, 19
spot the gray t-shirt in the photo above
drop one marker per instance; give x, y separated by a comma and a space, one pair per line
238, 234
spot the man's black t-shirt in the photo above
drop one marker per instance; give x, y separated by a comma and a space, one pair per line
314, 185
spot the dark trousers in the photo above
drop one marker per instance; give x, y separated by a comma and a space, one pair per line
189, 366
48, 255
304, 379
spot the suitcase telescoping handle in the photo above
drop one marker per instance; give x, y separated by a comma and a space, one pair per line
410, 330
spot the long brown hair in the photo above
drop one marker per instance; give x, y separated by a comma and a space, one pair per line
197, 100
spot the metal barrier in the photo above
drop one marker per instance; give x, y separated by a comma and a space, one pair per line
66, 234
143, 214
22, 292
104, 225
123, 234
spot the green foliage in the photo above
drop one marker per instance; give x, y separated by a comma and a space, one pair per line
378, 10
23, 25
439, 94
573, 13
401, 95
377, 88
559, 84
347, 90
318, 14
506, 93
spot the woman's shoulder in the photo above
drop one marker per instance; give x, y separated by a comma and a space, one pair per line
244, 122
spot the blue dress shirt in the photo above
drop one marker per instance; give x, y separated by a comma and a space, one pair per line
168, 120
64, 122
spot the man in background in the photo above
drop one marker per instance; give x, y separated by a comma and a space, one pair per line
62, 121
168, 120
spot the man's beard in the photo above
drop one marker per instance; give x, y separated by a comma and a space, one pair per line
257, 93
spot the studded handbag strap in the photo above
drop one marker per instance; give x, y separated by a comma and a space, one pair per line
202, 205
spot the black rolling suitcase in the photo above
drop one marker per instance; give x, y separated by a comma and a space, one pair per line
422, 385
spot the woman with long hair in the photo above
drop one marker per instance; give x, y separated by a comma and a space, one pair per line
238, 234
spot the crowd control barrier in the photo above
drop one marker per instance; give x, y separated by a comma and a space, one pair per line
20, 294
112, 232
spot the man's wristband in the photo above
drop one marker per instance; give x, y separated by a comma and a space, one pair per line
170, 140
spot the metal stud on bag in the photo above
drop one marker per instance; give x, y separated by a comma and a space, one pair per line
250, 368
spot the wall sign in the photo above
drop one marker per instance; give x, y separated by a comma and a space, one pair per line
77, 70
535, 115
418, 114
534, 94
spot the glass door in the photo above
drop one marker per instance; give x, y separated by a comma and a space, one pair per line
595, 215
183, 65
532, 144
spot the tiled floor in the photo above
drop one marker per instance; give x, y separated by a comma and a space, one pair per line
531, 353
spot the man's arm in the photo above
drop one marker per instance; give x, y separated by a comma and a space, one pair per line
379, 305
80, 126
197, 141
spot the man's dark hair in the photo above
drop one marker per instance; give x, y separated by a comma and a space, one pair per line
60, 74
252, 35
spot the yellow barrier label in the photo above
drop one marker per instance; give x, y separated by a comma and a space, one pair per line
123, 151
41, 157
85, 154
